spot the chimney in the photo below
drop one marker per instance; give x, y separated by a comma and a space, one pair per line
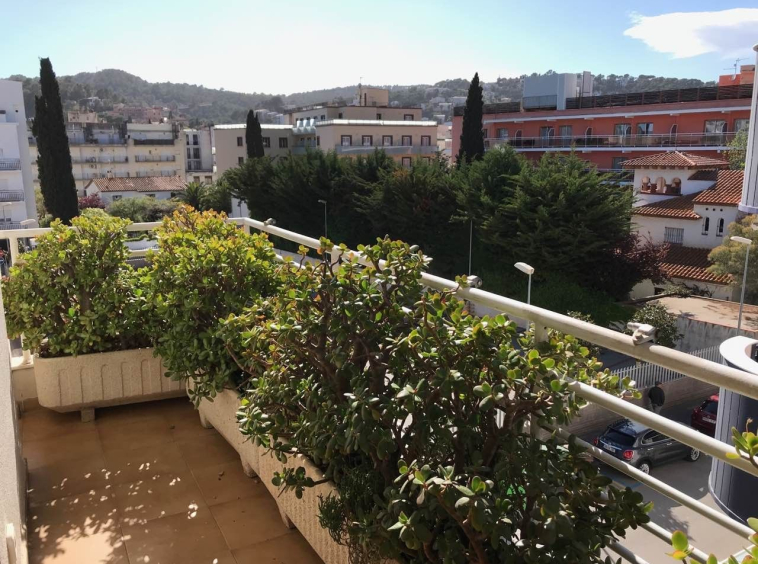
749, 202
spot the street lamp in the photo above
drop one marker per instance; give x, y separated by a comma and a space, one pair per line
470, 244
325, 230
747, 242
526, 269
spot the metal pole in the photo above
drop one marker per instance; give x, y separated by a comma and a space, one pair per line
529, 291
470, 245
325, 222
744, 283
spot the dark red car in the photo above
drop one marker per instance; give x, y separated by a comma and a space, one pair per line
703, 418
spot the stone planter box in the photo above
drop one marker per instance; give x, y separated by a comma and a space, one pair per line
85, 382
301, 513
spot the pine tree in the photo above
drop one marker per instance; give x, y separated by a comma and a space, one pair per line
253, 136
54, 161
472, 141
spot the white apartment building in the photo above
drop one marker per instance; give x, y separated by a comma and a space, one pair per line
16, 180
199, 143
129, 150
688, 201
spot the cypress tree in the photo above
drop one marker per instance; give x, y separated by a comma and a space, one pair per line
54, 161
253, 136
472, 141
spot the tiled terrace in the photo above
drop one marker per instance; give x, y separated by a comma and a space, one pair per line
146, 484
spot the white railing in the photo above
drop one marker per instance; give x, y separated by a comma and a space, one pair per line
645, 375
702, 369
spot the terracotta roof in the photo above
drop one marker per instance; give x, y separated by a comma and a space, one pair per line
691, 264
141, 184
675, 159
726, 192
681, 207
711, 175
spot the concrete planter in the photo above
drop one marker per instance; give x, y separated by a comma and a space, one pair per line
301, 513
85, 382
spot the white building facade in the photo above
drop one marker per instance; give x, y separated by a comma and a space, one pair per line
16, 180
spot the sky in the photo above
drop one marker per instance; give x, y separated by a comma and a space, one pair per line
292, 46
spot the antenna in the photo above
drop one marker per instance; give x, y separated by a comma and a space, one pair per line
733, 68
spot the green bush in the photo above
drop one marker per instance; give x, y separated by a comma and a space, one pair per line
75, 293
205, 270
395, 394
658, 316
142, 210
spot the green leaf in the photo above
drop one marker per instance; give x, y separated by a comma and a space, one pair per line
679, 541
556, 385
753, 523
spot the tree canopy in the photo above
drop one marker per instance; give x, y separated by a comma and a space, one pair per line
472, 141
253, 136
729, 258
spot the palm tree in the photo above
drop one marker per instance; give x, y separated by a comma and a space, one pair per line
193, 194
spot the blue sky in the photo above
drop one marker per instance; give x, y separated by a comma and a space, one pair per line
288, 46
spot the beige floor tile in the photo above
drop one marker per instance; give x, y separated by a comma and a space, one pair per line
125, 414
138, 434
288, 549
175, 539
41, 424
76, 529
207, 450
67, 478
74, 446
227, 482
218, 558
139, 464
249, 521
156, 497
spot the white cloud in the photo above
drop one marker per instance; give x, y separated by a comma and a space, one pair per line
728, 33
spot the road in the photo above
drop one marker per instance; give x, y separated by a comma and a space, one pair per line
692, 479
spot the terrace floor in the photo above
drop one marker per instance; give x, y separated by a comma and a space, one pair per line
146, 484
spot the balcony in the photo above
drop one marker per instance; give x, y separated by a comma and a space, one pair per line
11, 196
146, 483
10, 164
155, 158
389, 149
153, 141
714, 141
10, 225
99, 160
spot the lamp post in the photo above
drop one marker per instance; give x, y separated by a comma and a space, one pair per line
470, 244
747, 242
526, 269
325, 224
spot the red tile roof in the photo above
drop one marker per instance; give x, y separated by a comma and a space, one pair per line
680, 207
675, 159
711, 175
726, 192
690, 263
141, 184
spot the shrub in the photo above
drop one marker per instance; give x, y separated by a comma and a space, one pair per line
91, 201
141, 210
659, 317
396, 394
75, 293
206, 270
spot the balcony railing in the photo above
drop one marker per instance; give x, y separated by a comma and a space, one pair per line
10, 225
153, 141
542, 320
103, 160
671, 141
11, 196
96, 141
10, 164
389, 149
155, 158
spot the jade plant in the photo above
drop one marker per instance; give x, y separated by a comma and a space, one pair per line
682, 549
205, 270
75, 293
419, 415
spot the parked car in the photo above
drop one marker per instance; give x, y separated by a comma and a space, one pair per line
641, 446
704, 417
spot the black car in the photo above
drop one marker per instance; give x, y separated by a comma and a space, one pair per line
641, 446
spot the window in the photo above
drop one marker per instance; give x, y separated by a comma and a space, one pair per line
565, 131
318, 141
547, 131
323, 117
407, 117
387, 140
645, 128
674, 129
406, 140
266, 142
189, 153
367, 140
502, 133
239, 141
673, 235
283, 143
195, 178
426, 140
194, 139
720, 227
616, 163
378, 116
706, 225
715, 126
209, 179
116, 198
518, 134
407, 162
622, 129
188, 142
740, 124
339, 115
346, 140
588, 132
240, 160
150, 195
653, 437
195, 153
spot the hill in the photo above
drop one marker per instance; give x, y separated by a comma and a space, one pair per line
210, 105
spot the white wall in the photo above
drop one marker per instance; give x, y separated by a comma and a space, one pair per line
12, 467
714, 213
654, 227
12, 101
